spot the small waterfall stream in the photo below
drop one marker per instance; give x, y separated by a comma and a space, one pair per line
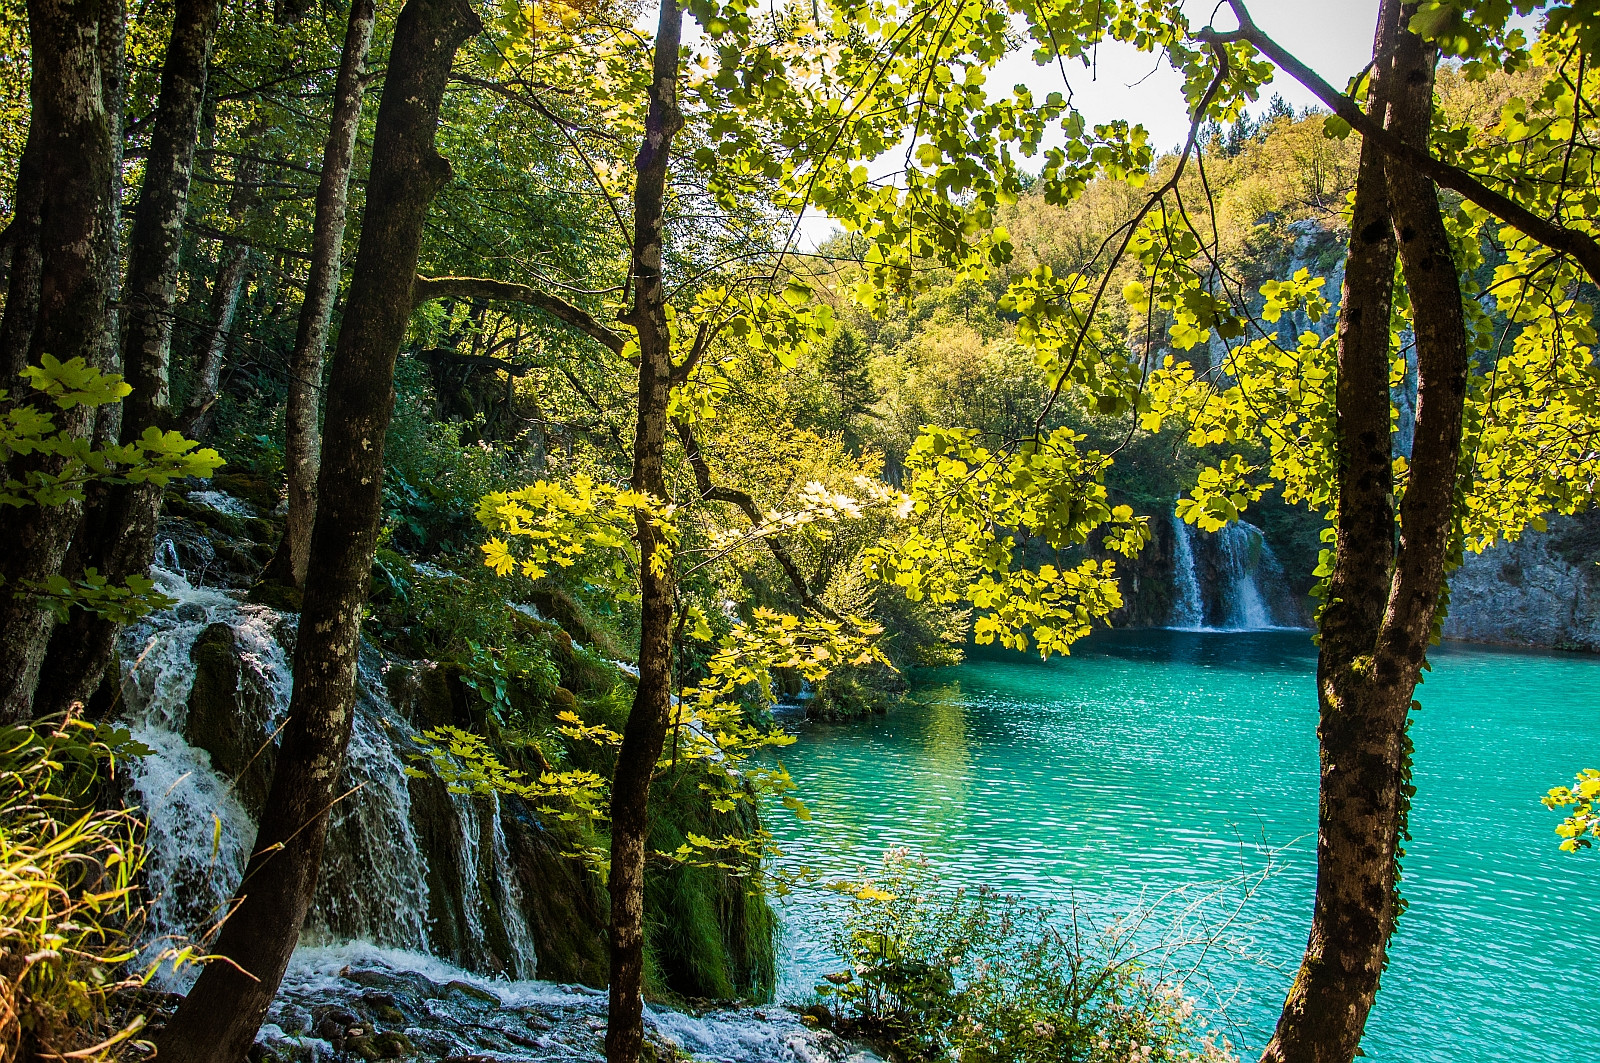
1227, 581
1188, 612
374, 882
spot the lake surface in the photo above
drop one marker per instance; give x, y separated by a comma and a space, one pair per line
1161, 761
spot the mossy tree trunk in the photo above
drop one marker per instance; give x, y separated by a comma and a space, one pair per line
646, 730
60, 282
1385, 590
218, 1019
117, 535
303, 440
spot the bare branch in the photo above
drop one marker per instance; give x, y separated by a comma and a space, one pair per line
427, 289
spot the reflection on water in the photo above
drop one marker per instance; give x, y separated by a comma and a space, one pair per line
1150, 761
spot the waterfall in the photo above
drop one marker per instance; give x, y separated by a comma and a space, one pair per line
1240, 545
1226, 581
374, 877
1188, 611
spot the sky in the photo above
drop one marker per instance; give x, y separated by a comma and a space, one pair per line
1333, 36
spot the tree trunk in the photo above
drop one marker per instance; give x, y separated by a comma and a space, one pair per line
57, 303
218, 1019
117, 534
23, 267
1382, 602
225, 292
232, 259
646, 729
303, 441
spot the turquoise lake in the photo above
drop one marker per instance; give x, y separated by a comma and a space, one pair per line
1152, 769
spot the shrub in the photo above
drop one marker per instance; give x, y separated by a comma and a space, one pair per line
981, 978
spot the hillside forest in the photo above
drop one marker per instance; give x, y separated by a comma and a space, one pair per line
578, 381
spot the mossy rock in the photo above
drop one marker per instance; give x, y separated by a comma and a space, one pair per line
228, 717
276, 595
710, 935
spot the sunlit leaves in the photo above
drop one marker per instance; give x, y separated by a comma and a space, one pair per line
1582, 824
972, 511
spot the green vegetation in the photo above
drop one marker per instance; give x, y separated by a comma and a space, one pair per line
579, 349
936, 973
68, 894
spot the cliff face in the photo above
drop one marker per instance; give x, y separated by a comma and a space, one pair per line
1543, 590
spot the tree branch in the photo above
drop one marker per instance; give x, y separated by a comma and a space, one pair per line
1556, 237
713, 493
427, 289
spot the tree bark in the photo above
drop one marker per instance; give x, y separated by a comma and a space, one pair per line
646, 729
1382, 602
117, 532
60, 284
218, 1019
232, 260
303, 440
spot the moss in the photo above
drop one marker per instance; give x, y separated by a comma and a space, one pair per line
275, 596
710, 934
850, 694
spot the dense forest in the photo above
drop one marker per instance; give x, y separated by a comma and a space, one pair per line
441, 430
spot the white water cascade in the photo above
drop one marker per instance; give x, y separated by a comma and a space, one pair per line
1188, 611
200, 833
366, 980
1227, 581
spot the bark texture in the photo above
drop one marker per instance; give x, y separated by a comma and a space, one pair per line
232, 262
1382, 597
218, 1019
57, 303
303, 437
117, 533
646, 729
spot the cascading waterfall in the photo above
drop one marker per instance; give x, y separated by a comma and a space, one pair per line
1187, 609
1241, 547
1233, 588
371, 922
374, 878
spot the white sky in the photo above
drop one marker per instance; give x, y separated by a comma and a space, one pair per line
1334, 37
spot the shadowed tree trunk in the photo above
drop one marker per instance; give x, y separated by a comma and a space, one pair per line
218, 1019
303, 441
60, 283
117, 534
232, 262
1382, 598
646, 729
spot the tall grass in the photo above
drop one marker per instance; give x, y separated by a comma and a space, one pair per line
68, 900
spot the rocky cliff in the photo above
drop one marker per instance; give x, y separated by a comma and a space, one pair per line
1543, 590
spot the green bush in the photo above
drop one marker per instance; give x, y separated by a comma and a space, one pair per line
980, 978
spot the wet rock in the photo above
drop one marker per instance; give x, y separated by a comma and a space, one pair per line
229, 715
467, 989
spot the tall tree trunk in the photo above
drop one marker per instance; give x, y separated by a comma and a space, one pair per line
232, 260
1382, 601
303, 441
57, 303
117, 535
23, 268
646, 729
218, 1019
